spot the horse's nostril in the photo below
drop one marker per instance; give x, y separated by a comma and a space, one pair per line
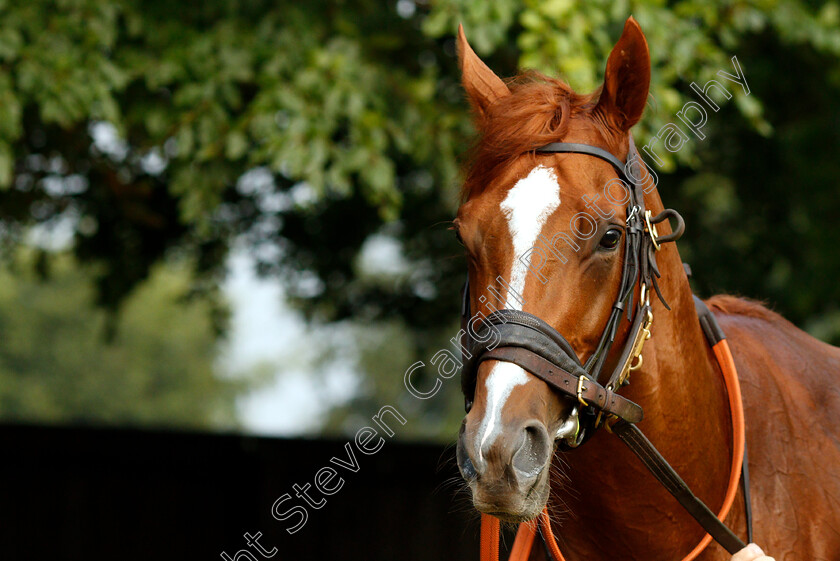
468, 469
465, 463
533, 453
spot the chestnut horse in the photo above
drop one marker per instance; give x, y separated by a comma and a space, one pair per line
602, 501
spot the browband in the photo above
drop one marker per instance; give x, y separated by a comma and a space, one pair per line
575, 148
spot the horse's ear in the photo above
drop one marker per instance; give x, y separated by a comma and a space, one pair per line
483, 87
627, 79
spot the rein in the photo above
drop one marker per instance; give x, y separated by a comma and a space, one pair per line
532, 344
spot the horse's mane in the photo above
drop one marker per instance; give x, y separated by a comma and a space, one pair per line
536, 113
732, 305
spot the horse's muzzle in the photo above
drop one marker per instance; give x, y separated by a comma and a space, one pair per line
508, 477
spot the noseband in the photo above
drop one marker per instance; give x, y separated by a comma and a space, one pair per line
529, 342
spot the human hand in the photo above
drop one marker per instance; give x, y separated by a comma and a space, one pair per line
751, 553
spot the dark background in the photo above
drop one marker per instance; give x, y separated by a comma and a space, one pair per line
90, 494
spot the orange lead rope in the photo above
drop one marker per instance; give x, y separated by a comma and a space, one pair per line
736, 407
527, 532
489, 538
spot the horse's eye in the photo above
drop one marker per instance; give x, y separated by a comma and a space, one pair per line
610, 239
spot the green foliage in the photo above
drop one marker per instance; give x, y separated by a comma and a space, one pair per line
304, 129
57, 365
689, 40
386, 351
325, 96
761, 211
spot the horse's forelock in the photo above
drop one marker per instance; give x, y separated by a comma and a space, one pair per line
536, 113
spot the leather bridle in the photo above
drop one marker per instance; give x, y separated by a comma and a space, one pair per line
531, 343
526, 340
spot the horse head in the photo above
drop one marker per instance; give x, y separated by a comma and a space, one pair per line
545, 234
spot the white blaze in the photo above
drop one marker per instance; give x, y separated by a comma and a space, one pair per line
502, 379
527, 206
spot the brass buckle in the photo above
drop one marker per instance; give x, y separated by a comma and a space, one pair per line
609, 422
652, 230
635, 360
579, 393
644, 335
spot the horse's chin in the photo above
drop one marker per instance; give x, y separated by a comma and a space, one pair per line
512, 506
513, 518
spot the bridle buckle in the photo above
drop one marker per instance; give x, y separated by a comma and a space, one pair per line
652, 230
632, 214
644, 335
580, 390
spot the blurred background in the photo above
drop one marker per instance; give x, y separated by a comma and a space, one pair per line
232, 217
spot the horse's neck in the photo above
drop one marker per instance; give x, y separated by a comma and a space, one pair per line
686, 418
678, 381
